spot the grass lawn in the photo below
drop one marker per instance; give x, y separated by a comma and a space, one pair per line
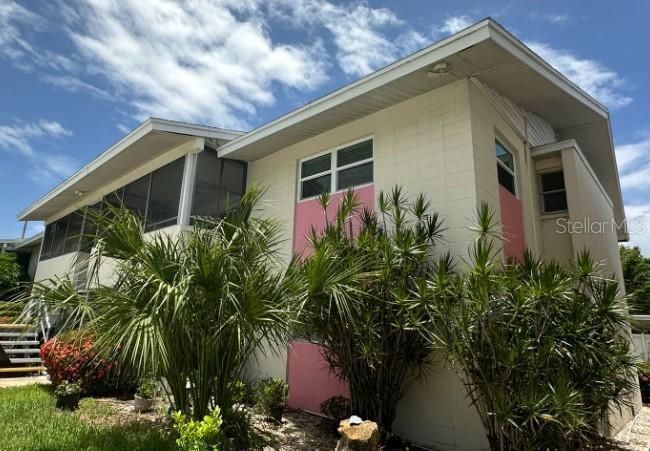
29, 421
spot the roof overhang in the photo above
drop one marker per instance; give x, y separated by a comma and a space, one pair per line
150, 140
485, 51
16, 244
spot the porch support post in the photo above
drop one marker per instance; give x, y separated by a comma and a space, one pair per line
187, 187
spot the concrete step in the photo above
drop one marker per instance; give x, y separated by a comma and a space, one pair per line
35, 351
25, 360
4, 334
5, 326
19, 343
23, 369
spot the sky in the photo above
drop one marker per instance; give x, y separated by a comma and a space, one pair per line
77, 75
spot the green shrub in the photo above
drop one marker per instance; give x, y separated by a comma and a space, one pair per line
273, 393
11, 273
66, 388
147, 388
193, 307
204, 435
336, 408
243, 393
539, 347
358, 305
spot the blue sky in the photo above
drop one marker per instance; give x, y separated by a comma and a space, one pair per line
76, 75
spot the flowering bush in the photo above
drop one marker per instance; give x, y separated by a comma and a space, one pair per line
72, 358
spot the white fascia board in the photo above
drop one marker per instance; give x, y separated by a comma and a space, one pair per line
183, 128
151, 124
30, 241
417, 61
135, 135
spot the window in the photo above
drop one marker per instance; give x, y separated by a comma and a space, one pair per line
336, 171
62, 236
553, 192
506, 168
233, 183
73, 232
115, 198
135, 196
58, 239
89, 229
218, 184
164, 195
48, 237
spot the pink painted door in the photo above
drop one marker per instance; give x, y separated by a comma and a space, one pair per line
512, 220
310, 379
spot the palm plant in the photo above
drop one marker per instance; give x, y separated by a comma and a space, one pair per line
187, 308
541, 349
358, 307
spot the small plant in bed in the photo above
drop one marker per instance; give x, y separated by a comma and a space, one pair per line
143, 401
336, 408
273, 397
68, 395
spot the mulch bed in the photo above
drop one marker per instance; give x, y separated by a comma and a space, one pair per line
298, 431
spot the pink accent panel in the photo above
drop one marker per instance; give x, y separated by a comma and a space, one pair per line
309, 378
310, 213
512, 219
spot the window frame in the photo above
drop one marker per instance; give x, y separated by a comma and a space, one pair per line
334, 170
512, 172
542, 203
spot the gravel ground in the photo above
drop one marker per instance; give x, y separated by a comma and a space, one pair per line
635, 436
300, 431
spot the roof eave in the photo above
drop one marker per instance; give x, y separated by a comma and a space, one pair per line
429, 55
148, 126
520, 51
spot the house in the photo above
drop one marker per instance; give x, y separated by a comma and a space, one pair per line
475, 117
27, 252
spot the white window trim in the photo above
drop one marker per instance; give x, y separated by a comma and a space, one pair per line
334, 170
553, 191
513, 173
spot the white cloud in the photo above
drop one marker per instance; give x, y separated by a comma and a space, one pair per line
44, 168
358, 31
596, 79
634, 165
73, 84
558, 19
49, 169
196, 60
11, 16
454, 24
633, 161
18, 137
638, 219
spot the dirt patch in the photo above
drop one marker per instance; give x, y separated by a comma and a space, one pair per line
299, 431
112, 411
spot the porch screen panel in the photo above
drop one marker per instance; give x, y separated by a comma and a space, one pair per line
165, 195
205, 200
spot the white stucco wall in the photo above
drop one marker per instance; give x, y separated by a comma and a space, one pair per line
57, 266
425, 146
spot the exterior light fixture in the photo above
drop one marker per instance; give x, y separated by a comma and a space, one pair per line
439, 69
